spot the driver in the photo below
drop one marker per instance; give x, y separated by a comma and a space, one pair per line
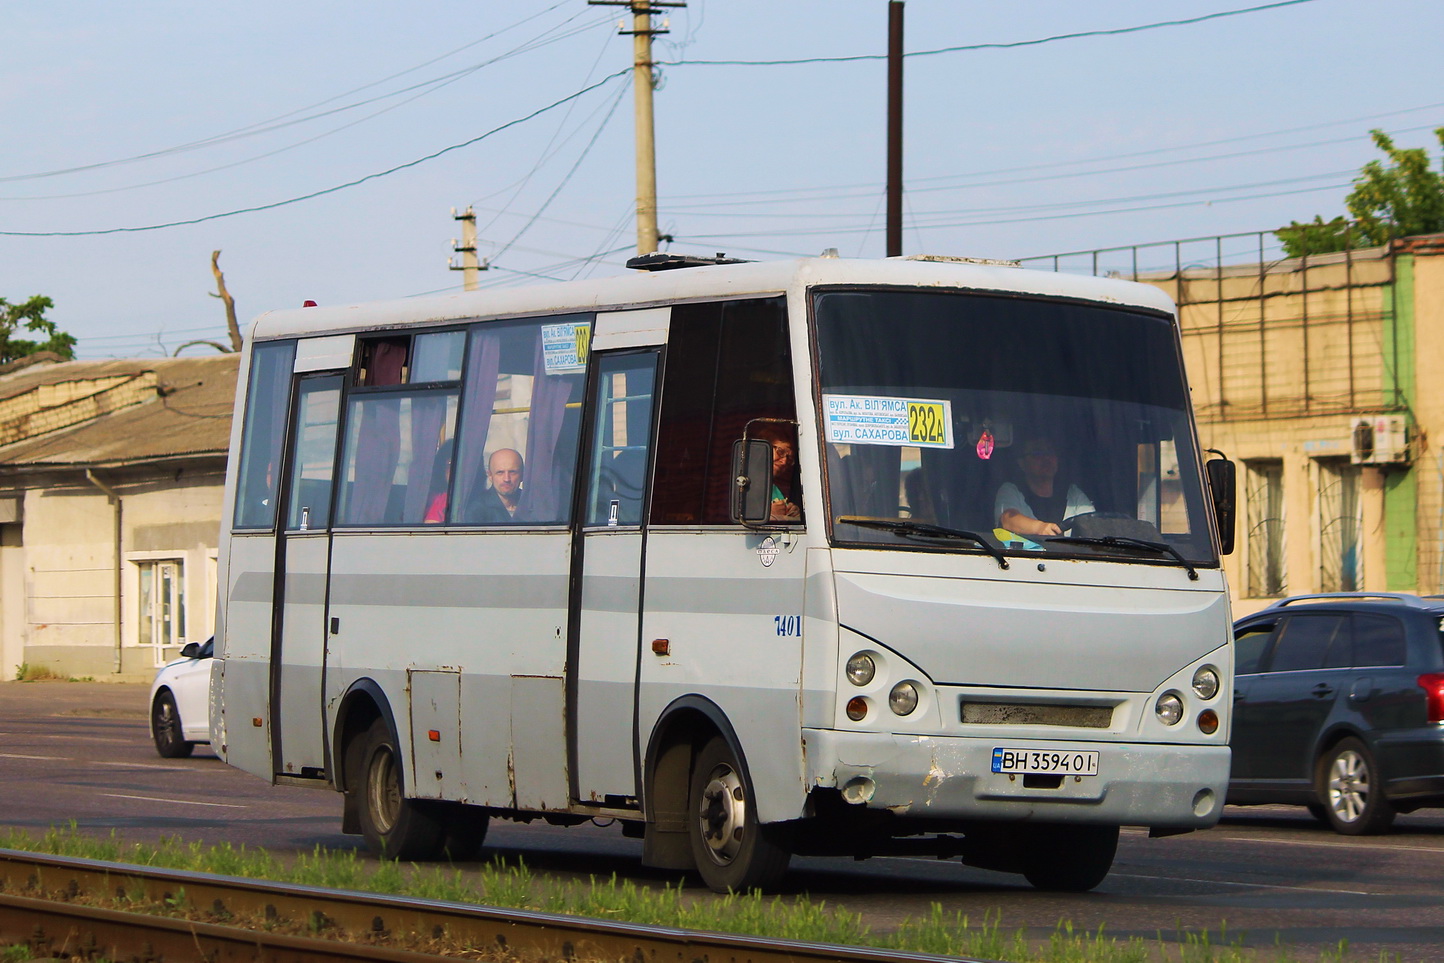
1039, 502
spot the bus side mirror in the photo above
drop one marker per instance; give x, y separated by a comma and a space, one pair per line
1222, 486
751, 481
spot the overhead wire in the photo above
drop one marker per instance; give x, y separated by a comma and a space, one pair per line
1110, 32
546, 152
567, 178
284, 120
329, 190
1023, 220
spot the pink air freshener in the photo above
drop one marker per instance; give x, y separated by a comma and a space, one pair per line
985, 445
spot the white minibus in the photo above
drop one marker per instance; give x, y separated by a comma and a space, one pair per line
825, 556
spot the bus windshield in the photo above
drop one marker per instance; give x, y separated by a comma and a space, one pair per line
1036, 426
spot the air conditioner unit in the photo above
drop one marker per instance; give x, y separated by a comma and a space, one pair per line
1379, 440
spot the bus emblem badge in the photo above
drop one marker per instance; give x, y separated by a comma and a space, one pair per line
768, 551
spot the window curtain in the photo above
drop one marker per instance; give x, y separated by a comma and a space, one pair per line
428, 412
378, 449
548, 471
482, 367
378, 440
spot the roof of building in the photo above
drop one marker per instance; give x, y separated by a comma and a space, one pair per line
116, 412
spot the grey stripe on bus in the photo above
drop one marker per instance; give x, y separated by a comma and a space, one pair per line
719, 596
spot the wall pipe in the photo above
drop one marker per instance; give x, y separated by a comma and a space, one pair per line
114, 497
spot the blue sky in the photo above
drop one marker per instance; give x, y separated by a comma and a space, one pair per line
131, 115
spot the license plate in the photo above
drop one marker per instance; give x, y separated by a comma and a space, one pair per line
1045, 761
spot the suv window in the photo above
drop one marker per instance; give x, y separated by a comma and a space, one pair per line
1378, 640
1249, 645
1311, 642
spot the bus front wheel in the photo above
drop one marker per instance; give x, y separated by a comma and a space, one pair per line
1068, 858
395, 827
731, 849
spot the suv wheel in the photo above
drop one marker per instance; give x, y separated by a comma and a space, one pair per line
1351, 790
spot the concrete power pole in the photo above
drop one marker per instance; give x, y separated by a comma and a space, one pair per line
642, 84
466, 247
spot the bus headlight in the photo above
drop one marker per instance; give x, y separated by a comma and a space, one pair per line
903, 698
1205, 682
861, 669
1168, 708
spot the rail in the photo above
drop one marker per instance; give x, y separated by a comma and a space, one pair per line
43, 905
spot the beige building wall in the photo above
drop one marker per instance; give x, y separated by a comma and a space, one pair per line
69, 570
1282, 358
12, 600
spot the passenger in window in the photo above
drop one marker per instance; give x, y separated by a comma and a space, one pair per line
440, 477
786, 500
499, 504
915, 489
1039, 501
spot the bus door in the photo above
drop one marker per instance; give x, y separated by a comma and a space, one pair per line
611, 549
303, 553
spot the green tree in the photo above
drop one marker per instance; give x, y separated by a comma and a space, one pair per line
1399, 199
30, 315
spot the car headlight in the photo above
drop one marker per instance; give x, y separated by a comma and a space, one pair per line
1205, 682
1169, 708
903, 698
861, 669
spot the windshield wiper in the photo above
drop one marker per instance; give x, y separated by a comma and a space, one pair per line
903, 528
1115, 540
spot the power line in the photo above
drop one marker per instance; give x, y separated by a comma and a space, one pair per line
870, 190
329, 190
283, 120
566, 179
822, 232
986, 46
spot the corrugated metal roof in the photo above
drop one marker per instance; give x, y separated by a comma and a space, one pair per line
187, 412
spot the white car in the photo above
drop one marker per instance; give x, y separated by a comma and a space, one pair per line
180, 701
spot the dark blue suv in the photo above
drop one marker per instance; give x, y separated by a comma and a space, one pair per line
1339, 706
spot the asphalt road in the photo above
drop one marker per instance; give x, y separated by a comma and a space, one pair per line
1265, 876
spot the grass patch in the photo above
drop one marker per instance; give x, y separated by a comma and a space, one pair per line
25, 672
517, 887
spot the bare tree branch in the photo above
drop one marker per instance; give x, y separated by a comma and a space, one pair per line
230, 302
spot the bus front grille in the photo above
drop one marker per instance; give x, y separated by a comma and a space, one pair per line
1036, 714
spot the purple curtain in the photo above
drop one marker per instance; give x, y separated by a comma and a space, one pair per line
378, 449
547, 469
427, 414
482, 367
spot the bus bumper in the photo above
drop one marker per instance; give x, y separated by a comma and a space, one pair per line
950, 777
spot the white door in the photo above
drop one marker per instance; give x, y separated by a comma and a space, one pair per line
612, 546
303, 561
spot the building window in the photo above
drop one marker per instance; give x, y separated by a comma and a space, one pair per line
1266, 575
1339, 524
162, 616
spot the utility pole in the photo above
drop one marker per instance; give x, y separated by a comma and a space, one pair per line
894, 126
466, 247
642, 84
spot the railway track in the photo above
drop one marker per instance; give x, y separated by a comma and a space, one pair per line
46, 902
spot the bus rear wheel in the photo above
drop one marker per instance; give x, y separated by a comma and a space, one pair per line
395, 827
1067, 858
731, 849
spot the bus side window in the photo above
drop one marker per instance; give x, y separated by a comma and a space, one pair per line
267, 398
521, 403
313, 456
400, 423
727, 363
